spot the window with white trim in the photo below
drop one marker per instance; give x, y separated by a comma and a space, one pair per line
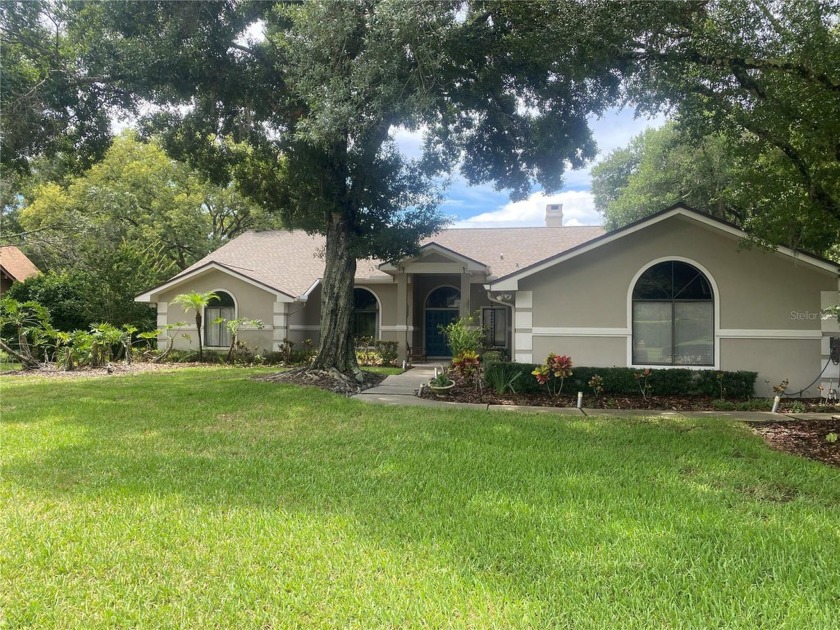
219, 308
365, 314
673, 316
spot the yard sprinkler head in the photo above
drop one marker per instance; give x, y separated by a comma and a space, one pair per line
580, 400
776, 402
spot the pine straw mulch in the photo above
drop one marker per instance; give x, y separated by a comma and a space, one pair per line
330, 380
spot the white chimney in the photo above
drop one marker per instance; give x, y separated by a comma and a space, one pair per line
554, 215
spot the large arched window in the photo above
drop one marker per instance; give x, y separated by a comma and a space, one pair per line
215, 332
673, 316
366, 314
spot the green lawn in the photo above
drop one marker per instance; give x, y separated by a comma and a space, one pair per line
203, 499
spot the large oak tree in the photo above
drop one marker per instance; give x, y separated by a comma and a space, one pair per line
303, 117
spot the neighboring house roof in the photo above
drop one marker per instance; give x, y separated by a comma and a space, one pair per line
16, 265
291, 261
510, 281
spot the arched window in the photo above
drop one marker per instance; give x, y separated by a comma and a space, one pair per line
444, 297
366, 314
673, 316
215, 332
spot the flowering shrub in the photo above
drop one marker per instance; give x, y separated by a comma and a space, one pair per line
554, 372
642, 381
596, 384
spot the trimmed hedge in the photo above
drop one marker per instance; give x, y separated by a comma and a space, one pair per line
622, 381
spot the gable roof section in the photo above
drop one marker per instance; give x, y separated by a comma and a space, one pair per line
197, 271
511, 280
290, 262
15, 264
433, 248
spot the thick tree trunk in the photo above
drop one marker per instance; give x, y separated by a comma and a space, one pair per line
335, 349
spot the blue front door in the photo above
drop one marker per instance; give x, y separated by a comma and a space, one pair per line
435, 340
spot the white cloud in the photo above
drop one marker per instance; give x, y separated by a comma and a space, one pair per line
578, 209
410, 143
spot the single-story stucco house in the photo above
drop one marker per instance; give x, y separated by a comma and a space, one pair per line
15, 266
673, 289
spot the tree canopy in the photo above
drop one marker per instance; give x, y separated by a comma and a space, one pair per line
303, 118
760, 79
712, 174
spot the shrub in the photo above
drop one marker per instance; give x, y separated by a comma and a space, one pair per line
554, 372
492, 356
755, 404
463, 335
63, 294
617, 381
388, 351
370, 351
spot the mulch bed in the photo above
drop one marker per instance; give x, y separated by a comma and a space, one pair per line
803, 437
469, 394
115, 369
331, 380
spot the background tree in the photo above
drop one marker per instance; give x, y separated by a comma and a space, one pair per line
195, 301
128, 223
664, 166
304, 118
764, 75
62, 294
50, 103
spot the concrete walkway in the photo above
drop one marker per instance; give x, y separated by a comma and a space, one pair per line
401, 389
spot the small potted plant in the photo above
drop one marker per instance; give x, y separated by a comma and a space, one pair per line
441, 384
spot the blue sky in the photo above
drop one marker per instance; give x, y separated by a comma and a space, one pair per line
482, 206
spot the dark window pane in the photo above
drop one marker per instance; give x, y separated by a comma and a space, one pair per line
364, 324
364, 300
690, 283
222, 299
655, 284
444, 297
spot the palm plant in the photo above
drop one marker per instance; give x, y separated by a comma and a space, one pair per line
195, 301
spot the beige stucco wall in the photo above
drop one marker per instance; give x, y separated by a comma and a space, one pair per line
775, 360
304, 319
757, 293
600, 279
252, 302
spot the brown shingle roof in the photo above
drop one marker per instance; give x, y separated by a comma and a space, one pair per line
505, 250
16, 265
292, 261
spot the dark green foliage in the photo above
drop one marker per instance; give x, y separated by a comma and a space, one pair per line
760, 80
622, 381
63, 294
491, 356
388, 350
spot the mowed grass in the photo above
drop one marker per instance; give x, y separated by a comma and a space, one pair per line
201, 499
